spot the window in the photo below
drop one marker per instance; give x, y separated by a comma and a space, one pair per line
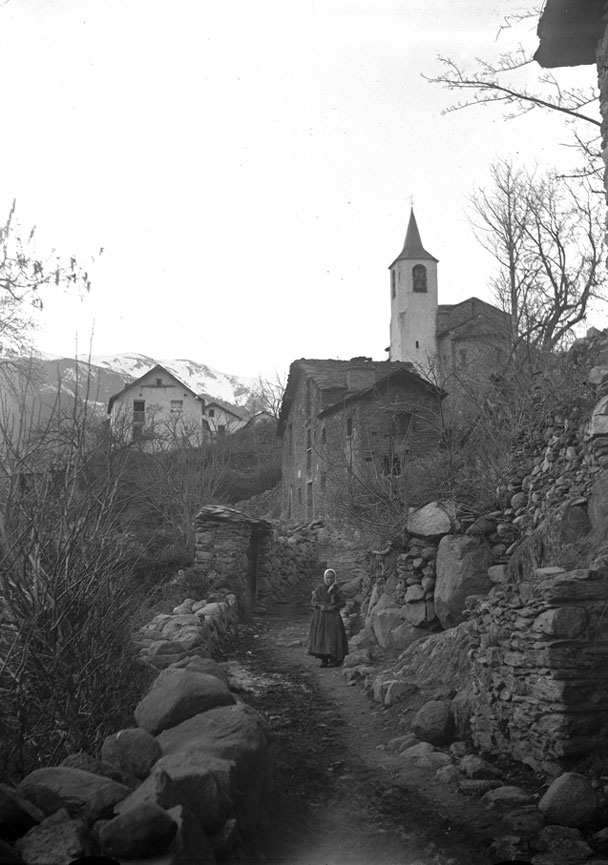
177, 405
323, 436
323, 481
139, 410
391, 466
211, 412
417, 344
159, 382
393, 288
221, 428
419, 278
349, 426
463, 357
309, 508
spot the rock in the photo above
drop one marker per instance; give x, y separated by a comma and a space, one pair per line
177, 695
432, 520
17, 814
397, 690
58, 839
434, 722
564, 622
363, 640
415, 611
575, 524
524, 821
414, 593
508, 849
508, 796
400, 742
404, 635
419, 750
599, 841
433, 761
462, 570
84, 794
569, 801
356, 659
383, 620
564, 844
133, 751
497, 573
448, 774
143, 830
9, 855
226, 839
204, 783
475, 767
191, 846
598, 500
90, 764
477, 787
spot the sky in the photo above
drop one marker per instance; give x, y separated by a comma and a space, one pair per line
249, 168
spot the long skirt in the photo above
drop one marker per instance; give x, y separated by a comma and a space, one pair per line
327, 635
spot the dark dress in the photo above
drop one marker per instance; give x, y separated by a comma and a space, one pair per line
327, 636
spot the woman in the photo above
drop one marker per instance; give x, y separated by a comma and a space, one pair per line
327, 638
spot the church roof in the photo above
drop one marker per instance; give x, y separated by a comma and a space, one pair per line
569, 32
413, 248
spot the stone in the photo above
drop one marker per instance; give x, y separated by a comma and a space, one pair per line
508, 795
462, 570
177, 695
133, 751
564, 844
432, 520
397, 690
84, 794
434, 761
418, 750
448, 774
81, 760
58, 839
143, 830
17, 814
191, 845
566, 622
598, 423
404, 635
414, 593
399, 743
434, 722
497, 573
355, 659
569, 801
474, 767
415, 613
477, 787
575, 524
383, 620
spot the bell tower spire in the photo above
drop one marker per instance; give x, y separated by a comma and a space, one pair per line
413, 285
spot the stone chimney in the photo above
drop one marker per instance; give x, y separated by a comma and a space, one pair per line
360, 374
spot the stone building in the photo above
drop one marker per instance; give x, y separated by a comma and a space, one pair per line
348, 424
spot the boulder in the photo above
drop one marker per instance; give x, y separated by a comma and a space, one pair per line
569, 801
81, 760
177, 695
203, 665
417, 750
133, 751
432, 520
598, 502
203, 783
383, 619
397, 690
404, 635
474, 767
84, 794
508, 795
355, 659
462, 570
190, 844
143, 830
433, 761
58, 839
566, 622
17, 814
414, 613
434, 722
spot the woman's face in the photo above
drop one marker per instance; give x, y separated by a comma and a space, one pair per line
328, 579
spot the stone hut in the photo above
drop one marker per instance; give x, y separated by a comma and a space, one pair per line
235, 546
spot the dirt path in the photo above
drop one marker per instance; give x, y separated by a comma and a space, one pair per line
341, 798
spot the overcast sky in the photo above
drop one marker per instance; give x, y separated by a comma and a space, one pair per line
248, 167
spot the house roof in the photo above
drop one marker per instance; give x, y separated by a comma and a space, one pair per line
225, 408
391, 377
413, 248
154, 369
331, 376
568, 32
223, 514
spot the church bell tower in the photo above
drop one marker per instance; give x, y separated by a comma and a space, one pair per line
413, 287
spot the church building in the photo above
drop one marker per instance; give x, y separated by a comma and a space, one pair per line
350, 427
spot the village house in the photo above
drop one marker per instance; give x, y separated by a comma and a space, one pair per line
349, 427
158, 411
222, 419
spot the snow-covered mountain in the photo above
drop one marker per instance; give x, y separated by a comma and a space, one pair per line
202, 379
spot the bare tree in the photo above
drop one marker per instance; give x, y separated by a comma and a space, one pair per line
23, 275
547, 237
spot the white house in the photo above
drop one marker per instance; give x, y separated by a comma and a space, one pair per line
158, 410
222, 419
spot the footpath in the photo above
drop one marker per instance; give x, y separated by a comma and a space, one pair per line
341, 797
